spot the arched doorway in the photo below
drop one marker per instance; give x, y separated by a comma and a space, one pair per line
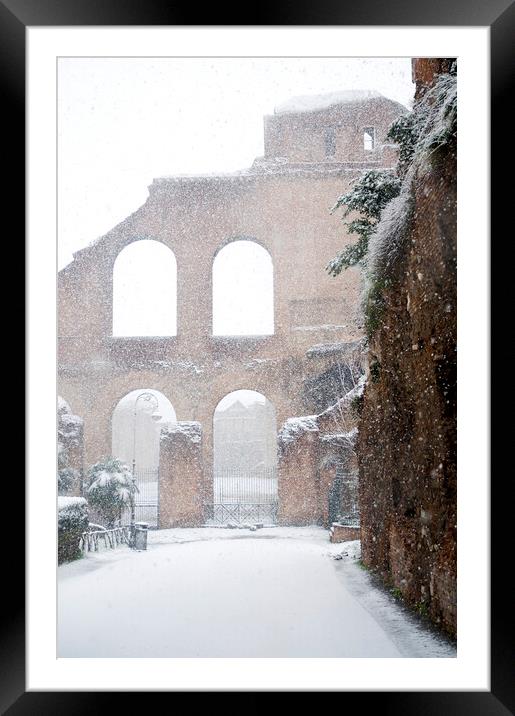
136, 427
245, 460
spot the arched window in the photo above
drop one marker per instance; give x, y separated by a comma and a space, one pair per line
369, 138
145, 290
245, 459
136, 427
243, 290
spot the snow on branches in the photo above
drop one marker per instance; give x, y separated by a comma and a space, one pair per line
368, 196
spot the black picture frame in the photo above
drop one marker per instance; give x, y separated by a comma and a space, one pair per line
499, 15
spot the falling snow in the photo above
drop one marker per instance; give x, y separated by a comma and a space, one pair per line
258, 589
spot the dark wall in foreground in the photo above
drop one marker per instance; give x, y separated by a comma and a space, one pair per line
407, 435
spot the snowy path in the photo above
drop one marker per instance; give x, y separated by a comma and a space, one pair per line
231, 593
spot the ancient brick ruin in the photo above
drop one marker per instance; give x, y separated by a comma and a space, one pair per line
282, 203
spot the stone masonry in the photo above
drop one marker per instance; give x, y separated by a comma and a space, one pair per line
283, 203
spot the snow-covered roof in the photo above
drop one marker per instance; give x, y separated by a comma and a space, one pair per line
315, 102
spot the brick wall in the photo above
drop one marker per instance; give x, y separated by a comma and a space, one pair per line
407, 435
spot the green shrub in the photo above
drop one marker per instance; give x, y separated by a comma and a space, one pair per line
111, 489
66, 477
72, 521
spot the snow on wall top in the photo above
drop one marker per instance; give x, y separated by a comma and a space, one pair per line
345, 439
321, 349
66, 503
356, 392
293, 428
313, 103
182, 365
71, 421
62, 405
264, 166
191, 430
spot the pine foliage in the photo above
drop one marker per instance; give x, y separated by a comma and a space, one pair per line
368, 196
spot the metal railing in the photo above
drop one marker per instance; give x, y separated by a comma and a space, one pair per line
111, 537
237, 486
243, 496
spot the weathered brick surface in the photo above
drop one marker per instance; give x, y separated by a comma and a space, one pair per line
307, 465
299, 483
284, 208
181, 477
342, 533
407, 439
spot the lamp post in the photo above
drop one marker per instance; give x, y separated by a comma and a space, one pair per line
148, 398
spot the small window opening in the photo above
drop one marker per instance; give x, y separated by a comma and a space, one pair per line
330, 143
368, 138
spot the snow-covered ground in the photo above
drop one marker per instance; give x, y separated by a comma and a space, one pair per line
213, 592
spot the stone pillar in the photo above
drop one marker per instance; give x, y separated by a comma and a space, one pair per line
310, 447
297, 470
181, 475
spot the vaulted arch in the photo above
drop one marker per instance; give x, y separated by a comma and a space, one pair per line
136, 426
245, 459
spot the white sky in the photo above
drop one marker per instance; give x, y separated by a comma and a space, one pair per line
243, 290
125, 121
247, 397
145, 291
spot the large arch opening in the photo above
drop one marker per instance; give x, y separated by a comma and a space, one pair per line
243, 290
136, 426
244, 459
145, 290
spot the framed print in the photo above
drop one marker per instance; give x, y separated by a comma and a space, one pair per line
103, 141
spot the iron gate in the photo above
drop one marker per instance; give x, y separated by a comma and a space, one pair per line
147, 497
243, 497
343, 497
